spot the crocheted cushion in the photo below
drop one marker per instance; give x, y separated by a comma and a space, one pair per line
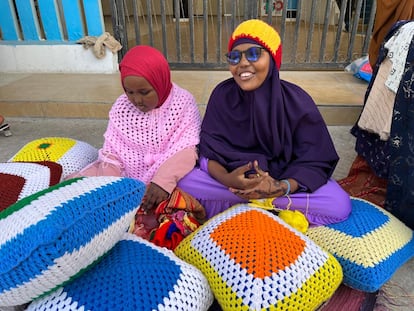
18, 179
370, 245
135, 275
253, 260
72, 154
51, 236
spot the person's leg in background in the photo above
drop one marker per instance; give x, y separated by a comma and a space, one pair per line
348, 12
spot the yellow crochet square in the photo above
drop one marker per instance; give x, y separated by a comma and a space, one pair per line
72, 154
254, 261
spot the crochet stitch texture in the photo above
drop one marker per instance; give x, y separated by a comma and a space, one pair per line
143, 141
254, 261
135, 275
49, 237
72, 154
370, 245
21, 179
261, 32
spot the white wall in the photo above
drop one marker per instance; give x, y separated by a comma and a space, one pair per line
61, 58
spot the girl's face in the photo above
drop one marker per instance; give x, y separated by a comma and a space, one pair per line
250, 75
141, 93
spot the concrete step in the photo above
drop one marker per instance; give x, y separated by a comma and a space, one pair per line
338, 95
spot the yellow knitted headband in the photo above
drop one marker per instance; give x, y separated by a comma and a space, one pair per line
261, 32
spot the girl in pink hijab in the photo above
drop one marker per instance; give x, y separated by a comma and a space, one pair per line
153, 127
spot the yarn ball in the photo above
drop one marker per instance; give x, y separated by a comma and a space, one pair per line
134, 275
296, 219
370, 245
52, 236
254, 261
21, 179
72, 154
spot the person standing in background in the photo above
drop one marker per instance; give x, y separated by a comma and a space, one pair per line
387, 14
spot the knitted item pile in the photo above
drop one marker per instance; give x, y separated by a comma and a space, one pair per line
135, 275
143, 141
21, 179
370, 245
254, 261
50, 237
72, 154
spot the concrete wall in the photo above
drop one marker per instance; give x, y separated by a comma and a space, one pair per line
68, 58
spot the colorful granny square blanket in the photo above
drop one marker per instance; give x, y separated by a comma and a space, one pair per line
254, 261
370, 245
52, 236
135, 275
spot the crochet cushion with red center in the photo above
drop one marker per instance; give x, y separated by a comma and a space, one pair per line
21, 179
253, 260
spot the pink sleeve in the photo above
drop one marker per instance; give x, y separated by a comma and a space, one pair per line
175, 168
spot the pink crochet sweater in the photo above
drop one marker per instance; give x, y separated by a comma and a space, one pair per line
143, 141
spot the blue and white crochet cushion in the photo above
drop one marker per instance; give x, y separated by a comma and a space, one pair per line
370, 245
134, 275
52, 236
255, 261
72, 154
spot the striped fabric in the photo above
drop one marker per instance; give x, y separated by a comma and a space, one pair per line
21, 179
72, 154
50, 237
254, 261
370, 245
135, 275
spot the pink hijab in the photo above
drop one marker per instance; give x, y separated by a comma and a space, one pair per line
149, 63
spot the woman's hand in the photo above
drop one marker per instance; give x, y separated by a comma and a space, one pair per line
153, 196
236, 178
267, 187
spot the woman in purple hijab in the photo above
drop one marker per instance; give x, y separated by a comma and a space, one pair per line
263, 137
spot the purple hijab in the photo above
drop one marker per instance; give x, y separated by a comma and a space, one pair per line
277, 124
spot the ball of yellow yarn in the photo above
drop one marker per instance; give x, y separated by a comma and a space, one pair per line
296, 219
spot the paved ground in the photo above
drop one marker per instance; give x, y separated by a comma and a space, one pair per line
91, 131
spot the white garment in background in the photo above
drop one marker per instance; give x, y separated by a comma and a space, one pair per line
376, 117
398, 46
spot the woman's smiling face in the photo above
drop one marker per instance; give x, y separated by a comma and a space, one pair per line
250, 75
141, 93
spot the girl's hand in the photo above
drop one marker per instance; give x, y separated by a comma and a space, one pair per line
153, 196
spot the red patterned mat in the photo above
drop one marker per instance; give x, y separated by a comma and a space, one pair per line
348, 299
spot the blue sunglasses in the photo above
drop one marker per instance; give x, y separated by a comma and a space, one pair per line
252, 55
